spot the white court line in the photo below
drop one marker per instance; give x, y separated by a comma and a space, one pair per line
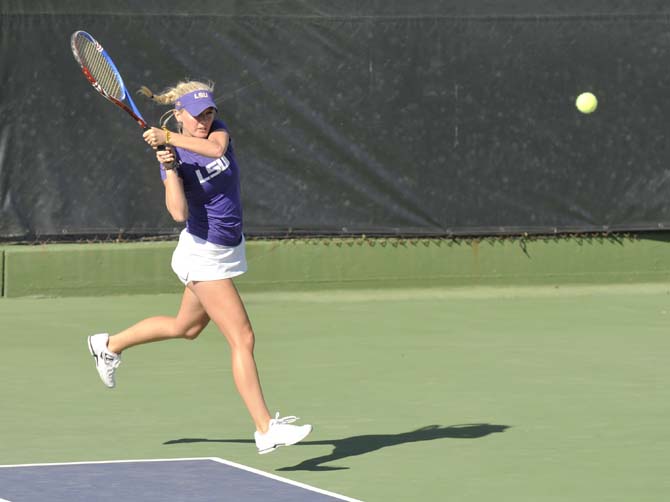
284, 480
214, 459
106, 462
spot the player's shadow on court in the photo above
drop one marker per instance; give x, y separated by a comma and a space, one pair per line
360, 445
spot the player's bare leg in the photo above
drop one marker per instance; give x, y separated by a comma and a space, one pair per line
189, 322
191, 319
224, 306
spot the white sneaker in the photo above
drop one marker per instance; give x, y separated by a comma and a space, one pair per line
105, 361
280, 433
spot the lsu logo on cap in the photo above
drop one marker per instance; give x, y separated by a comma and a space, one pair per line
200, 95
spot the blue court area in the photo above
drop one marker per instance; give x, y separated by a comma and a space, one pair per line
176, 480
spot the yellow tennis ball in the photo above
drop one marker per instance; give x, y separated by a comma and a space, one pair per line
586, 102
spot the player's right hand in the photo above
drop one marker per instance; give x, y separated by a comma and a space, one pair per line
166, 157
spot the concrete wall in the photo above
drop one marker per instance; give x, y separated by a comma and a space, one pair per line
133, 268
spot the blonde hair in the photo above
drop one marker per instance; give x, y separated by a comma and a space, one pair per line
172, 94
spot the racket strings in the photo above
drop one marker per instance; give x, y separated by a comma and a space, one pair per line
99, 68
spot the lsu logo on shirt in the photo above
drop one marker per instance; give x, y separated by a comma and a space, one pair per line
212, 169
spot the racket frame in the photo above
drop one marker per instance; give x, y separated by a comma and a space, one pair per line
132, 109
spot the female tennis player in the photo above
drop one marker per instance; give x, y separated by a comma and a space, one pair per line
202, 188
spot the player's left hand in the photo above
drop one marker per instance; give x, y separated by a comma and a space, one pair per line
154, 137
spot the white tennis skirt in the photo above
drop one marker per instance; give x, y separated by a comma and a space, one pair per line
195, 259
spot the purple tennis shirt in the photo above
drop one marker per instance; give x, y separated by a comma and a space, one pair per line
212, 189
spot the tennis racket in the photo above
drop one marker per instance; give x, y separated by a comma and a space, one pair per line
102, 73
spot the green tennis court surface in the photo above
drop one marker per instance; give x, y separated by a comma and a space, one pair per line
525, 394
